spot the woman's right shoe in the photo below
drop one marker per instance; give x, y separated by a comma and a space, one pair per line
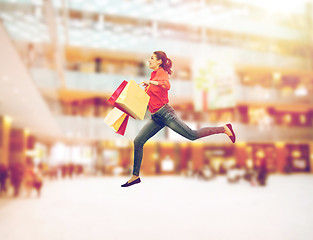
233, 137
127, 184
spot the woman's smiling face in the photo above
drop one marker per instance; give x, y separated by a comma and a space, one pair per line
154, 63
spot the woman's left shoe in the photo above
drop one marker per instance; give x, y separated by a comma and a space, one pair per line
233, 137
127, 184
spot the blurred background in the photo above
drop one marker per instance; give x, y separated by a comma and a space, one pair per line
245, 62
249, 63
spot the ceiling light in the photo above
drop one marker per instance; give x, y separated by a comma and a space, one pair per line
147, 9
8, 119
246, 79
29, 18
112, 47
90, 8
37, 2
13, 27
26, 131
276, 75
125, 5
36, 40
134, 13
301, 91
6, 17
118, 28
38, 12
111, 10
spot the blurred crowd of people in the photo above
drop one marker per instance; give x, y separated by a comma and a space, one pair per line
256, 175
20, 177
23, 179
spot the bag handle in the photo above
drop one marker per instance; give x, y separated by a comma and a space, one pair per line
146, 90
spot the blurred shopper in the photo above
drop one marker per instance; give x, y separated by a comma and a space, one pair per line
250, 175
261, 171
235, 173
71, 169
163, 114
33, 180
52, 173
64, 170
207, 172
30, 55
17, 171
190, 171
29, 179
38, 181
3, 178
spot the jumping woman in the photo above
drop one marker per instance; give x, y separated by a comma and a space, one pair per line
162, 114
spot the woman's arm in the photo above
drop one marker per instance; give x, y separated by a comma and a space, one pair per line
147, 82
160, 79
156, 83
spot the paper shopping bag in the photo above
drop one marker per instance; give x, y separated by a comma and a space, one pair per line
117, 120
133, 100
117, 92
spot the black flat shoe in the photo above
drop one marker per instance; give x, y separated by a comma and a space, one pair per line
127, 184
233, 137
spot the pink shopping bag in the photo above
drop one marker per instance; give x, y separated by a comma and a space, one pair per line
116, 94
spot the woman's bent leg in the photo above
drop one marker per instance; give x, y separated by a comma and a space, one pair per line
181, 128
148, 131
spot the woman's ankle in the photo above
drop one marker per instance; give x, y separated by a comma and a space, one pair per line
133, 178
227, 131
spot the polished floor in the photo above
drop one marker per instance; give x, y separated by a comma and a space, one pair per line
162, 208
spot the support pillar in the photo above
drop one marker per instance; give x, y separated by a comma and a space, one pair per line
241, 154
151, 159
18, 146
311, 157
30, 148
5, 126
281, 157
197, 155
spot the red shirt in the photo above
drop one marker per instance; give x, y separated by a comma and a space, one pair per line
158, 93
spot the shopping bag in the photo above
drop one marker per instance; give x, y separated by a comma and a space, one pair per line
117, 120
133, 100
116, 94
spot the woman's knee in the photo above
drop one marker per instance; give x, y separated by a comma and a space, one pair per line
193, 137
138, 142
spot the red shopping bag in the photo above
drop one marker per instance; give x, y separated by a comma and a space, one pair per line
116, 94
122, 128
117, 120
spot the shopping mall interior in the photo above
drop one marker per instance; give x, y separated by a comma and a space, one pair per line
249, 63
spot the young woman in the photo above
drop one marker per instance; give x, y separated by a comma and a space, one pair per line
162, 114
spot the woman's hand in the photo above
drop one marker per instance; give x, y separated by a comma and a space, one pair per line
146, 82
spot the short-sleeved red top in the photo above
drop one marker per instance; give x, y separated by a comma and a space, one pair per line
158, 93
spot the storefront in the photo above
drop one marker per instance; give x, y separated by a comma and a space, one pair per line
298, 158
219, 157
258, 153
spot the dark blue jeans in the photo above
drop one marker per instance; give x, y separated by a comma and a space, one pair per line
166, 116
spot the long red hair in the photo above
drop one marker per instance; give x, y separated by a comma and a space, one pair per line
166, 62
